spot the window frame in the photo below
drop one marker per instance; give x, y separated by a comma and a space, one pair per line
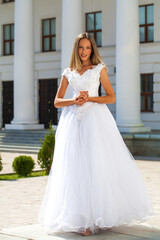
48, 36
4, 1
10, 40
93, 31
146, 94
146, 25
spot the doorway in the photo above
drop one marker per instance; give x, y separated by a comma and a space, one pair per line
47, 93
7, 105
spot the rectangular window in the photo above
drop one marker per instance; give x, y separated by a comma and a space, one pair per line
49, 35
146, 23
94, 26
8, 39
147, 92
7, 1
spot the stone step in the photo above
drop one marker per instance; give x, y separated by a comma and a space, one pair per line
21, 141
21, 136
18, 150
20, 146
24, 131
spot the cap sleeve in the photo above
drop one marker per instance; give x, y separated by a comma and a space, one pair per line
66, 72
101, 66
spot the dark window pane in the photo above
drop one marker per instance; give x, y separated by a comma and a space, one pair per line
46, 44
49, 30
12, 48
150, 33
142, 103
150, 102
7, 32
99, 38
7, 1
150, 14
147, 92
12, 32
143, 85
90, 22
46, 30
53, 43
7, 48
149, 83
98, 21
142, 15
142, 34
53, 26
92, 34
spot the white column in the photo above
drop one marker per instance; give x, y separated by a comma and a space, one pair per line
71, 28
24, 87
127, 67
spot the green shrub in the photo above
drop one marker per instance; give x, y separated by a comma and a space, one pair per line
1, 166
45, 155
23, 165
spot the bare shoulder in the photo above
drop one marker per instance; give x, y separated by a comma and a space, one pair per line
64, 79
103, 72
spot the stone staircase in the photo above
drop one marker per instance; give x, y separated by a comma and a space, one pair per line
21, 141
140, 144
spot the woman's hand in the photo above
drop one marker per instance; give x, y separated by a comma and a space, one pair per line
82, 98
83, 94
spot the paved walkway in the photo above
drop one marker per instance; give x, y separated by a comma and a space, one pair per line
8, 157
20, 201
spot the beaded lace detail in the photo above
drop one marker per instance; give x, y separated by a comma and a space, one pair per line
88, 81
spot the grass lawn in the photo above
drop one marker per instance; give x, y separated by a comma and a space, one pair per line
14, 176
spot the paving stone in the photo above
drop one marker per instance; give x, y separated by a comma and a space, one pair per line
36, 232
8, 237
7, 159
20, 202
141, 230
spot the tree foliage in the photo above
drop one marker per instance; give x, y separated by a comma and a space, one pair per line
45, 155
1, 166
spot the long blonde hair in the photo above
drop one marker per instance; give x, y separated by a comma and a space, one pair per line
76, 63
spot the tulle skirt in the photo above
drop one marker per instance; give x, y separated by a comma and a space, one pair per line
94, 181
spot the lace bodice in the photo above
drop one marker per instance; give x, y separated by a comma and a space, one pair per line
88, 81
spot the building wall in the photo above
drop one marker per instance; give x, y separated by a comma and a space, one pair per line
48, 65
108, 18
6, 62
150, 63
46, 9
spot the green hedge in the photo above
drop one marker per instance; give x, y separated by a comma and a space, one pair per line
23, 165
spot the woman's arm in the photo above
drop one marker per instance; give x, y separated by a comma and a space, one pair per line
110, 96
59, 100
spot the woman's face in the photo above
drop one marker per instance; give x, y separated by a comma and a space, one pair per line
84, 50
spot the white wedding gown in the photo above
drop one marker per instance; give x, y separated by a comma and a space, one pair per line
94, 181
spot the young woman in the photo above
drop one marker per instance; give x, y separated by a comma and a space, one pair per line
94, 182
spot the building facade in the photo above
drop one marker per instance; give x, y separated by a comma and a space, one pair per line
36, 40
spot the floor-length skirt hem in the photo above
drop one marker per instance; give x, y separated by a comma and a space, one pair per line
94, 227
94, 181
